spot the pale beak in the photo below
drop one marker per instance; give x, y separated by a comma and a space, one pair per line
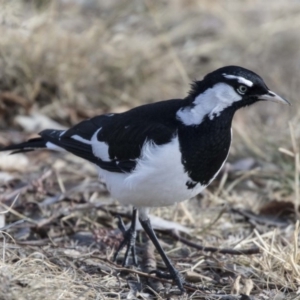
271, 96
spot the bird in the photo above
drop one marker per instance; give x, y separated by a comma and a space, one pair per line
161, 153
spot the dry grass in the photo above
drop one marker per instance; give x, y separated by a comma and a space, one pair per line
67, 60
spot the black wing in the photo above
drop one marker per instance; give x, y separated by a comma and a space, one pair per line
120, 137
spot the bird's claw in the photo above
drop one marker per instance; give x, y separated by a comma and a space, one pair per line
121, 224
177, 277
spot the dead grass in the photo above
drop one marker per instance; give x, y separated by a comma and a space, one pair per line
67, 60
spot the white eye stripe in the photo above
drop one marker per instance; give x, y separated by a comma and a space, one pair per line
239, 79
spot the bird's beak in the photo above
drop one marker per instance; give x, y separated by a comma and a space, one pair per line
271, 96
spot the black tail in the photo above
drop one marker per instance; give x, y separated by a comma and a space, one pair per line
30, 145
48, 139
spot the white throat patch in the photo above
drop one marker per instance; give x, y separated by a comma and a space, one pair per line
210, 103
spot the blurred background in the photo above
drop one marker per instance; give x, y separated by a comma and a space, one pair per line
66, 60
71, 59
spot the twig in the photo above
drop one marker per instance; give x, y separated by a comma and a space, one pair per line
7, 210
296, 155
42, 242
12, 225
175, 235
16, 213
115, 267
149, 265
274, 221
187, 286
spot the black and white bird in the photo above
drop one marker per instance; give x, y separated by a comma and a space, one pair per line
161, 153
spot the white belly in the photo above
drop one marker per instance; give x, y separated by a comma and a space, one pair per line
159, 178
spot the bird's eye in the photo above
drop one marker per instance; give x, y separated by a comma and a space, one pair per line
242, 89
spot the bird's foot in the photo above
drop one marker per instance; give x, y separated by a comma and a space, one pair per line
174, 275
129, 241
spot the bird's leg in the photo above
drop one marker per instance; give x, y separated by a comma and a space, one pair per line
174, 274
129, 239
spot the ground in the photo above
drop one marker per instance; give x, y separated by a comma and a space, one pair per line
63, 61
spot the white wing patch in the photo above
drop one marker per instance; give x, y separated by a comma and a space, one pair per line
100, 149
62, 133
52, 146
81, 139
239, 79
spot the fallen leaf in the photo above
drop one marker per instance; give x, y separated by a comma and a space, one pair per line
248, 286
236, 286
195, 277
262, 219
278, 208
72, 253
9, 97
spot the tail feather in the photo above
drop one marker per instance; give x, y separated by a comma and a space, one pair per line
30, 145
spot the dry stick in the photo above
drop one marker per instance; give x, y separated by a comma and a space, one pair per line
149, 265
251, 216
14, 212
176, 236
42, 242
296, 154
115, 267
6, 211
188, 286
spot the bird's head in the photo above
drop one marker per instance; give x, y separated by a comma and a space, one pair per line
230, 87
